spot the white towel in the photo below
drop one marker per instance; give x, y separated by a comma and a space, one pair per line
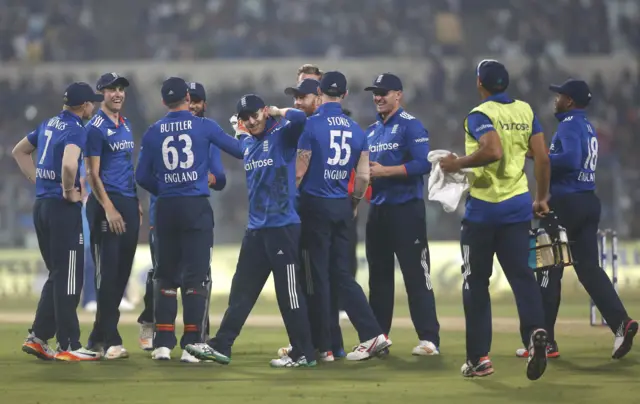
446, 188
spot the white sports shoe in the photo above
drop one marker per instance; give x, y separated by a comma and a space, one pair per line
161, 354
126, 305
79, 355
370, 348
284, 351
116, 352
188, 358
287, 362
425, 348
326, 356
145, 339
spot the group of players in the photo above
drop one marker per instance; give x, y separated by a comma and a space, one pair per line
299, 163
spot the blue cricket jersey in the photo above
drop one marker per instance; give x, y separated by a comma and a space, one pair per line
215, 167
513, 210
336, 142
573, 154
113, 143
174, 157
269, 162
402, 140
50, 139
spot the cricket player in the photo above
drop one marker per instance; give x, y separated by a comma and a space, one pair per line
271, 242
499, 133
398, 147
217, 181
57, 216
574, 158
113, 211
174, 165
331, 146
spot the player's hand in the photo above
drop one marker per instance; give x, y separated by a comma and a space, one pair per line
377, 170
540, 208
115, 220
212, 180
275, 112
450, 164
234, 122
73, 195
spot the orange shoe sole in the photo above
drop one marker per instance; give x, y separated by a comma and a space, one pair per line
37, 351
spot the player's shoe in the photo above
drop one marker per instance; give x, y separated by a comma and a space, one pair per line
204, 352
38, 348
116, 352
77, 355
624, 338
145, 339
370, 348
161, 354
552, 351
481, 368
326, 356
537, 360
425, 348
287, 362
339, 354
188, 358
284, 351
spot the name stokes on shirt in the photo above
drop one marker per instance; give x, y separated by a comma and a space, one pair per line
339, 143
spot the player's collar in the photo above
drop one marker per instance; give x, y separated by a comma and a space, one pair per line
107, 118
499, 97
71, 115
562, 115
329, 106
392, 118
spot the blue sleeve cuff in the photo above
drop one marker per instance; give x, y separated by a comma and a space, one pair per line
479, 124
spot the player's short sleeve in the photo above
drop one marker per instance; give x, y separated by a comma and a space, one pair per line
76, 136
478, 124
94, 142
32, 137
536, 127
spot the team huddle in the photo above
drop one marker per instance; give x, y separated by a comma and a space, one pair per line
307, 169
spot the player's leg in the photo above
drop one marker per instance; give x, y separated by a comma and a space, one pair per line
512, 249
166, 278
409, 232
379, 249
477, 247
251, 274
44, 324
145, 319
550, 282
281, 245
89, 285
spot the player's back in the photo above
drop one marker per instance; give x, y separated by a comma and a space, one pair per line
51, 138
335, 141
180, 154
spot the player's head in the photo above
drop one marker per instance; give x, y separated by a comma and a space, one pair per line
491, 78
198, 103
333, 87
112, 86
572, 94
252, 113
309, 71
79, 98
175, 94
305, 95
387, 93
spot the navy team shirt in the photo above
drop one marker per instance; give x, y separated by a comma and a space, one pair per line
50, 139
402, 140
269, 162
336, 142
113, 143
174, 158
512, 210
215, 167
573, 154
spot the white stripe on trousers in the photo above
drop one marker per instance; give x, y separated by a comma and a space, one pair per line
545, 279
425, 266
98, 269
71, 273
291, 284
466, 264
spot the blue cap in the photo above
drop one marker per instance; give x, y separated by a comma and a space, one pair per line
578, 90
493, 76
174, 89
109, 80
79, 93
333, 84
386, 82
249, 104
196, 91
306, 86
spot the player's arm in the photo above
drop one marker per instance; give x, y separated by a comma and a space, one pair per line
22, 153
217, 136
417, 139
144, 170
361, 183
490, 147
571, 155
217, 177
304, 156
74, 142
294, 128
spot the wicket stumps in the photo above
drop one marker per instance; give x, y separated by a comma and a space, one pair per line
603, 235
